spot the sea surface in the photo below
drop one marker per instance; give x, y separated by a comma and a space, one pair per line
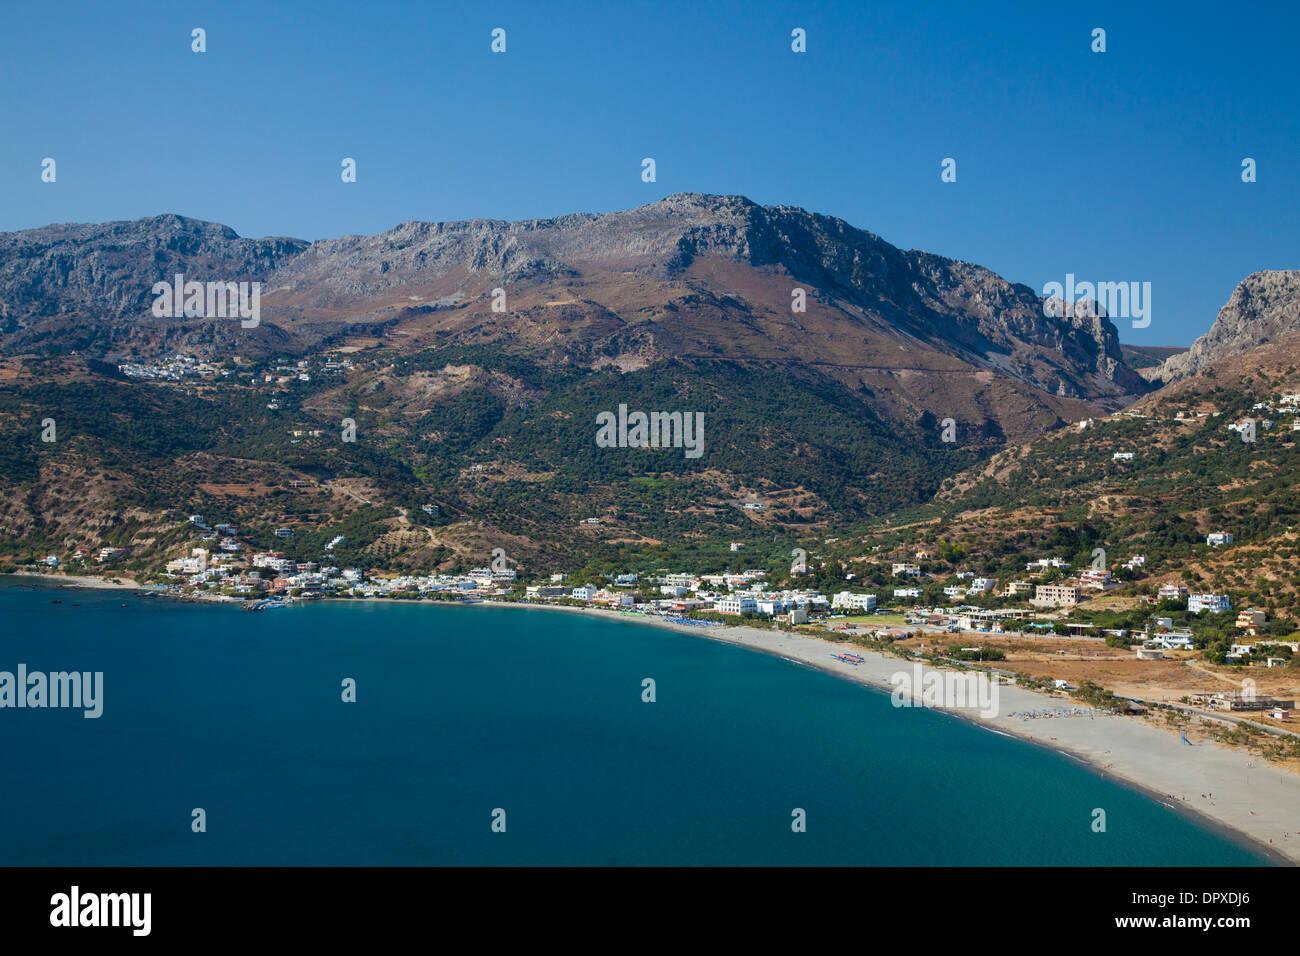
461, 711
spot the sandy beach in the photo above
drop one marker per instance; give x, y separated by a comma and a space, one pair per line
1252, 799
118, 583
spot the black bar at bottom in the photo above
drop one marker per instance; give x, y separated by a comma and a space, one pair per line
339, 905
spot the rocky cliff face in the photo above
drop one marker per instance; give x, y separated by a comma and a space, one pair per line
690, 274
1264, 307
79, 287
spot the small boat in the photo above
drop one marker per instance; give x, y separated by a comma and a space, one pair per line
263, 605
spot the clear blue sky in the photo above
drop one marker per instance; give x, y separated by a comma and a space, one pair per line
1117, 166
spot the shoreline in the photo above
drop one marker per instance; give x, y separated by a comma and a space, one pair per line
79, 581
1143, 758
1254, 803
119, 584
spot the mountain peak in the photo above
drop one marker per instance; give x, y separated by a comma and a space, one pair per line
1262, 308
174, 222
710, 202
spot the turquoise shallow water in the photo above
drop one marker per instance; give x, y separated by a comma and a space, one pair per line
462, 710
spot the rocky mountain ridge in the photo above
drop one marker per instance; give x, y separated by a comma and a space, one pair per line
85, 287
1264, 307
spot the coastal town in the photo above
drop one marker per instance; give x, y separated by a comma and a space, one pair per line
1046, 627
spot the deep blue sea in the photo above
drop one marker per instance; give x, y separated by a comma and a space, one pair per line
463, 710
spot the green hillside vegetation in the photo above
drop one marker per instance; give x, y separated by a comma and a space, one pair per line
513, 445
